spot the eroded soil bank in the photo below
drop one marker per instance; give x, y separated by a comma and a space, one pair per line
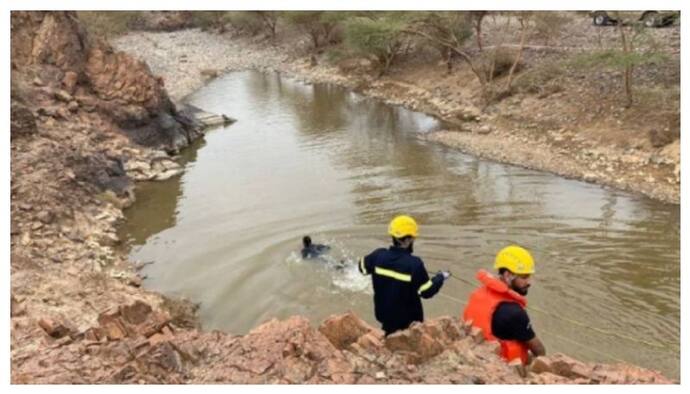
78, 313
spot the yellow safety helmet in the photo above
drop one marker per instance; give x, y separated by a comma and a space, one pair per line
516, 259
402, 226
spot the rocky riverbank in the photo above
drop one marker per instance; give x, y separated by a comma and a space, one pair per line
80, 114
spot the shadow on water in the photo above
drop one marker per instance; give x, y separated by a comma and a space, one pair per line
156, 203
319, 160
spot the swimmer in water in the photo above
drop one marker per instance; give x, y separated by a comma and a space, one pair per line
311, 250
317, 251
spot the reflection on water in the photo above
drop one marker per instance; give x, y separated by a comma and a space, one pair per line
316, 159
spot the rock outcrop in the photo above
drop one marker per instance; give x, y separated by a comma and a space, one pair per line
70, 72
135, 344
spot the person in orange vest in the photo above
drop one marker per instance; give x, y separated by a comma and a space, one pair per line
498, 305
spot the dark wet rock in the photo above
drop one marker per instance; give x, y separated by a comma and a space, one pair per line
22, 121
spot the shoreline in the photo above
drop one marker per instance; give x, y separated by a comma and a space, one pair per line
487, 136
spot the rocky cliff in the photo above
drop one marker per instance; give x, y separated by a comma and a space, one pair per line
58, 67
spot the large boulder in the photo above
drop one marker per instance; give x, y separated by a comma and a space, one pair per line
343, 330
415, 342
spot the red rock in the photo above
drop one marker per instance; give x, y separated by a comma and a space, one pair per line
415, 341
371, 342
342, 330
111, 325
541, 365
477, 334
444, 329
568, 367
53, 328
136, 313
160, 337
69, 81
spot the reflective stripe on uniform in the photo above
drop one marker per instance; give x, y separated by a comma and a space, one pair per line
362, 268
393, 274
425, 286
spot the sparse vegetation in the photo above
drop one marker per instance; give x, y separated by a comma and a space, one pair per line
317, 25
109, 24
548, 25
210, 20
625, 58
384, 38
442, 28
541, 80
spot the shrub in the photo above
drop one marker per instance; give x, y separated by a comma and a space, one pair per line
497, 63
319, 26
541, 79
384, 38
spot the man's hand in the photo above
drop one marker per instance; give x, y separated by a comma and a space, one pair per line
446, 274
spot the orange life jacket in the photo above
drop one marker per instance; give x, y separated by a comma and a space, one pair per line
480, 309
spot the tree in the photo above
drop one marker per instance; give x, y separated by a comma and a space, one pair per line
382, 37
477, 18
318, 25
628, 56
269, 20
523, 20
450, 26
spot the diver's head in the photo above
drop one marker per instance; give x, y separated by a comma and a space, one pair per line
306, 241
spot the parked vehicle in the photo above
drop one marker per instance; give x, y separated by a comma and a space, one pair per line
648, 18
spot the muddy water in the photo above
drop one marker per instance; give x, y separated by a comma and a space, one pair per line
319, 160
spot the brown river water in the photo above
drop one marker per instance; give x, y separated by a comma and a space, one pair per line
323, 161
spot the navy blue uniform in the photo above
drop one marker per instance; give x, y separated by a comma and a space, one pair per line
314, 250
399, 280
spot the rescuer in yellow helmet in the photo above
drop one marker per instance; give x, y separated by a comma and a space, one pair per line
400, 278
498, 306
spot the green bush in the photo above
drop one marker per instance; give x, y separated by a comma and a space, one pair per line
320, 26
384, 38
